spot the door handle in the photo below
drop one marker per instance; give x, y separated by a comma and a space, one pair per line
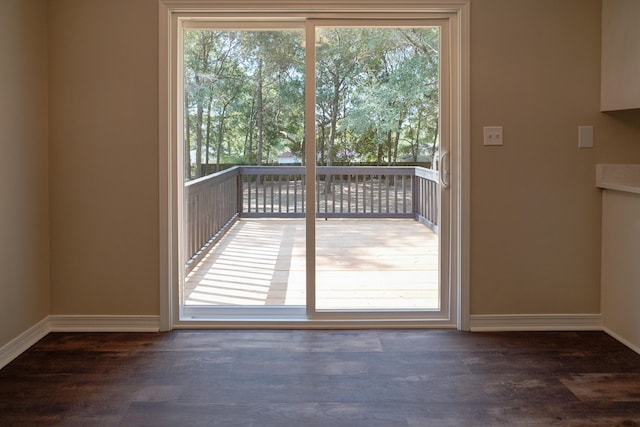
444, 170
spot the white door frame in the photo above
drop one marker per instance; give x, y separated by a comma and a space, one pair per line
457, 12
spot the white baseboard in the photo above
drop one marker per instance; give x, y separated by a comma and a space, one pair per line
79, 323
58, 323
536, 322
478, 323
22, 342
622, 340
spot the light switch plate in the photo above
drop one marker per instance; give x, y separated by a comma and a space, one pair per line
585, 136
493, 135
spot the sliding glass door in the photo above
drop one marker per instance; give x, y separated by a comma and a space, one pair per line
378, 137
243, 140
314, 168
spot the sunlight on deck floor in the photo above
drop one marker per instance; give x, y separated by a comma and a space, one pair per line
360, 264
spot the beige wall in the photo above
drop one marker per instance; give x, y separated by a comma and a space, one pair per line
24, 203
535, 211
104, 156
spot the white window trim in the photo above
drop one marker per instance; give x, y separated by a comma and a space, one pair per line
460, 146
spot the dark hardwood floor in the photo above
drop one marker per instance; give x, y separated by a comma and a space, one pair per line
323, 378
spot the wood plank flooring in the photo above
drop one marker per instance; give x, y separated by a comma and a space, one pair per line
312, 378
360, 264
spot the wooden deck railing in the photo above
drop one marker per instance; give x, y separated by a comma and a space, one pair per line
215, 201
211, 206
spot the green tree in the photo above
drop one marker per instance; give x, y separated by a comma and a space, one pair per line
377, 95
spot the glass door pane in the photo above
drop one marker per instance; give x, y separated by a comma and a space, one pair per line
377, 188
244, 180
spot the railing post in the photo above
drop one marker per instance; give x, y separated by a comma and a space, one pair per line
239, 193
414, 193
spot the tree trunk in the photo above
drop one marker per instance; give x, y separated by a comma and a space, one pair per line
333, 130
416, 147
335, 109
187, 139
208, 136
259, 114
199, 115
323, 137
220, 137
249, 151
206, 50
397, 140
389, 144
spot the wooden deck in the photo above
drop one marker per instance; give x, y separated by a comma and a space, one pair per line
360, 264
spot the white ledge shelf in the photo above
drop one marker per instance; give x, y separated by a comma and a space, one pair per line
619, 177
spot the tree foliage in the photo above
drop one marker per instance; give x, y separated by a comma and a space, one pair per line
377, 96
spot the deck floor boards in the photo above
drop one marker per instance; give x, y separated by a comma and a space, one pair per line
360, 264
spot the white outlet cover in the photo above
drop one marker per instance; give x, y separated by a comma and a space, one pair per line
493, 135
